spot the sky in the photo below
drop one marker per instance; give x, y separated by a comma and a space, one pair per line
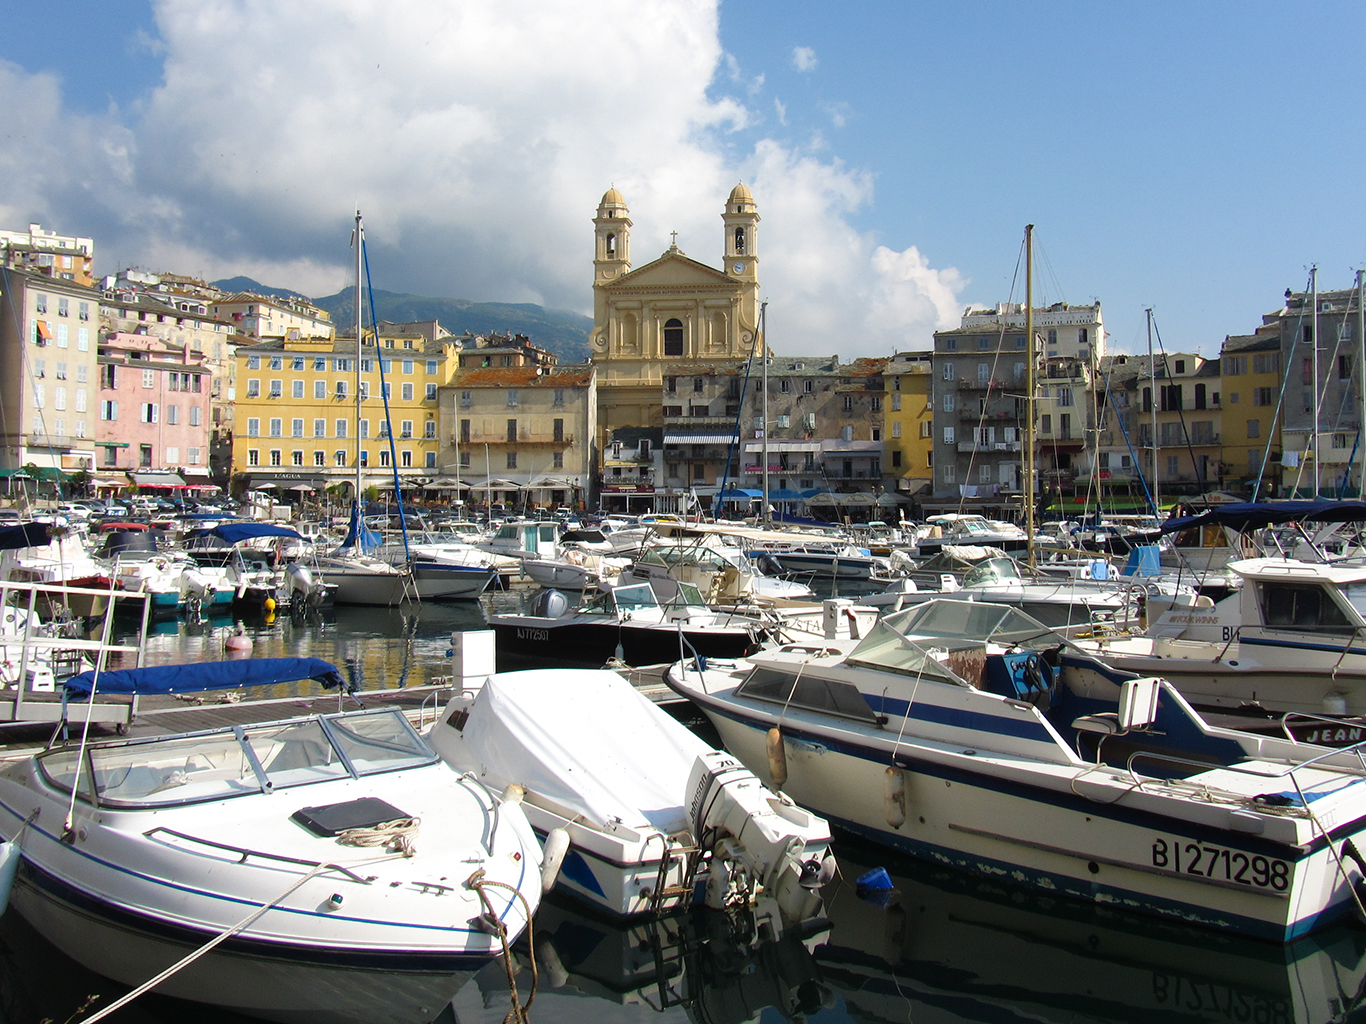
1192, 157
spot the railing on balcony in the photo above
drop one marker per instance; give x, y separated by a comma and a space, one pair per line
988, 446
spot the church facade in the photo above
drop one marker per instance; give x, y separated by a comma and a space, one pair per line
674, 310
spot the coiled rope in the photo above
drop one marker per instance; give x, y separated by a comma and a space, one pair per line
395, 836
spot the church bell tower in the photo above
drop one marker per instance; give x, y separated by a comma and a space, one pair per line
741, 221
612, 227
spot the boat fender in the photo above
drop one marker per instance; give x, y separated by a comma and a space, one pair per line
556, 846
9, 864
513, 794
853, 624
894, 796
549, 961
777, 758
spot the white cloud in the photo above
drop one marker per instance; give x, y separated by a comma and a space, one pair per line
781, 108
804, 58
475, 138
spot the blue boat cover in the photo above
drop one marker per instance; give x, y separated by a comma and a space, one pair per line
212, 675
1255, 514
234, 533
25, 535
360, 536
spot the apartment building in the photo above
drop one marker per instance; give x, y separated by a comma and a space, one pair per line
267, 317
48, 351
521, 435
155, 399
62, 257
310, 412
908, 443
1251, 370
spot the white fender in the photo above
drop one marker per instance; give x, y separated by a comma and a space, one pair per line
777, 757
894, 796
556, 846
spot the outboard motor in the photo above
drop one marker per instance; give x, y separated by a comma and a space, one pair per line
549, 604
298, 580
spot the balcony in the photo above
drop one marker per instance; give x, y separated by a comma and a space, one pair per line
993, 446
973, 415
973, 384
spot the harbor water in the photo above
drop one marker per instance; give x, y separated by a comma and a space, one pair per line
940, 947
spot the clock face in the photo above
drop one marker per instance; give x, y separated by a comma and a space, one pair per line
739, 268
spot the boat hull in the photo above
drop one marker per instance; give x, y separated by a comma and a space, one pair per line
1050, 839
441, 581
383, 590
596, 642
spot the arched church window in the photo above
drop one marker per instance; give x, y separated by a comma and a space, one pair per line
739, 241
611, 246
673, 337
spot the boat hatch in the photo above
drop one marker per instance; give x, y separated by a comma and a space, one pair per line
792, 689
187, 768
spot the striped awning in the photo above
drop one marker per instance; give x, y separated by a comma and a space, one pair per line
698, 438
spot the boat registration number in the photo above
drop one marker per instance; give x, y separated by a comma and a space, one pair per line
1204, 860
532, 634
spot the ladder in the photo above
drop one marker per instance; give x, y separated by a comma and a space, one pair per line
686, 856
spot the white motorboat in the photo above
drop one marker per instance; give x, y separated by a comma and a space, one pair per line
651, 812
956, 529
1023, 758
628, 623
325, 848
721, 572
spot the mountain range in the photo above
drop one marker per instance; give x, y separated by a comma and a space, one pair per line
560, 331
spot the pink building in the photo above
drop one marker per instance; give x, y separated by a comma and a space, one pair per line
154, 399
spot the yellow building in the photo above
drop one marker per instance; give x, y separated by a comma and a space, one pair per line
909, 413
299, 421
1252, 387
670, 310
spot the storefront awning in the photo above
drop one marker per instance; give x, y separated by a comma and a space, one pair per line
157, 479
783, 446
674, 439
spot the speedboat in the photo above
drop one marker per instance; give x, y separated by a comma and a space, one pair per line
319, 849
970, 735
628, 623
652, 814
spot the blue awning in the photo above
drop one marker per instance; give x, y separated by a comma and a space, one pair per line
25, 535
738, 494
213, 675
1245, 515
234, 533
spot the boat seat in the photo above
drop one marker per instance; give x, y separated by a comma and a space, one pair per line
1106, 723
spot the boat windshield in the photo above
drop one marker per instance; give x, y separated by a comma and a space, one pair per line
886, 650
993, 570
1356, 597
162, 772
973, 621
688, 596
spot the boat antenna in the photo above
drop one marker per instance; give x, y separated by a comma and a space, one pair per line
763, 340
1031, 357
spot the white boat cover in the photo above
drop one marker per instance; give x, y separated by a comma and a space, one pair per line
586, 739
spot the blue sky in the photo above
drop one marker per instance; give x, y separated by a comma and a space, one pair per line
1195, 157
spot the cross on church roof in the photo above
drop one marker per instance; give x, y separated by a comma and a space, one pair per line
674, 234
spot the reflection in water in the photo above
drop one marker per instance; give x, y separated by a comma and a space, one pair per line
960, 947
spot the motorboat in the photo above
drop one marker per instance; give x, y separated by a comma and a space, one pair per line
827, 558
972, 736
1288, 641
320, 849
628, 623
955, 528
254, 579
656, 819
722, 573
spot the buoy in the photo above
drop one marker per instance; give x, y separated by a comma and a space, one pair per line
239, 644
777, 758
269, 605
894, 796
552, 856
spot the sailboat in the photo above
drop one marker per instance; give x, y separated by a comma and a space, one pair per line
360, 578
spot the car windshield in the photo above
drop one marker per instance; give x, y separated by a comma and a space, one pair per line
161, 772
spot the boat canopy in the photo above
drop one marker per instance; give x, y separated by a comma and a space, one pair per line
25, 535
213, 675
235, 533
1256, 514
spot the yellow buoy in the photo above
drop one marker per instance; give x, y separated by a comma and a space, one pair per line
269, 605
894, 796
777, 757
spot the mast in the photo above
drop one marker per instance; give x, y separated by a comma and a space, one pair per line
1361, 336
356, 423
1030, 358
488, 480
763, 339
1314, 297
455, 401
1153, 393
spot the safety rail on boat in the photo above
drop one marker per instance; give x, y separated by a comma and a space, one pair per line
245, 852
1287, 771
32, 703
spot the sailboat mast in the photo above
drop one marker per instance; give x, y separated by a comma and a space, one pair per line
356, 423
1031, 357
763, 340
1361, 335
1314, 297
1153, 401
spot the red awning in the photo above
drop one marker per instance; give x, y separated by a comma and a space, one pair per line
43, 331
